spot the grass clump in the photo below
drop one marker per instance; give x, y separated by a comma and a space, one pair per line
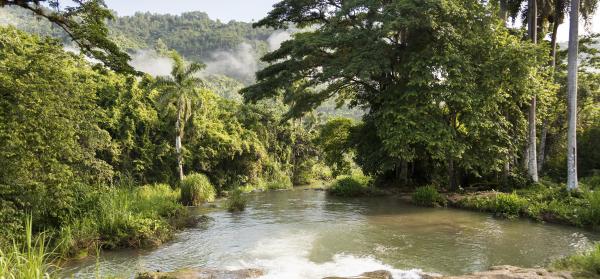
501, 204
196, 189
428, 196
584, 265
236, 201
124, 217
28, 259
351, 186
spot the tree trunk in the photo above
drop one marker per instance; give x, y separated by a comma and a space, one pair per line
542, 153
404, 172
178, 144
532, 149
572, 96
553, 43
451, 174
503, 12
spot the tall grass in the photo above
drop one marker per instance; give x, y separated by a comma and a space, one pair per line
236, 201
27, 260
124, 217
428, 196
351, 186
196, 189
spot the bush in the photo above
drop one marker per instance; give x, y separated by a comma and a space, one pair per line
351, 186
508, 205
197, 189
428, 196
591, 217
591, 182
236, 201
280, 182
585, 265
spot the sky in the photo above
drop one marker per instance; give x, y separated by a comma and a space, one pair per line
246, 10
225, 10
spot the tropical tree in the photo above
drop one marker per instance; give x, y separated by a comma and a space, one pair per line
180, 90
532, 139
84, 21
417, 68
572, 96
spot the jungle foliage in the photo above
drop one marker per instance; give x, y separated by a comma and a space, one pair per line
71, 130
445, 85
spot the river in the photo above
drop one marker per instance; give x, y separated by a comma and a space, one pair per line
307, 234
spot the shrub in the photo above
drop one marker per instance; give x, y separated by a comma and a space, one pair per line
592, 182
236, 201
428, 196
591, 216
197, 189
586, 265
351, 186
280, 182
508, 205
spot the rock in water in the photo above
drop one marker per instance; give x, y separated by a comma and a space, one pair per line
203, 274
507, 272
379, 274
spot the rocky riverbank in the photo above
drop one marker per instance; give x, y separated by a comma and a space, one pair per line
497, 272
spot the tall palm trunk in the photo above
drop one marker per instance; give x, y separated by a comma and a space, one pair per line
572, 98
532, 146
179, 133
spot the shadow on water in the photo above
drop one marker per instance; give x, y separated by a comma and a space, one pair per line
307, 234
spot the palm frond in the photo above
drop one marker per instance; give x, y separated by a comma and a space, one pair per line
194, 68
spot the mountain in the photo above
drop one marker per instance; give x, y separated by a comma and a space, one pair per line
231, 50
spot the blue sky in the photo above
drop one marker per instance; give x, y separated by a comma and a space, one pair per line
240, 10
225, 10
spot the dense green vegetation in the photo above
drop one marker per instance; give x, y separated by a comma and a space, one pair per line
447, 104
545, 201
353, 185
430, 96
585, 265
77, 138
428, 196
196, 189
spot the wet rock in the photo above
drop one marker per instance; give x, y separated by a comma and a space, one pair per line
203, 274
379, 274
508, 272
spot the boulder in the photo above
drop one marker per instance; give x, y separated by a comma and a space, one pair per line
379, 274
203, 274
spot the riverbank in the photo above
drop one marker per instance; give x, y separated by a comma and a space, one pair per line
495, 272
544, 202
109, 218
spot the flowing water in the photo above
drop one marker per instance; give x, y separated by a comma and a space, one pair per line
308, 234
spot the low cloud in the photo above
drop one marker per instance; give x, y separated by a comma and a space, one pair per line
277, 38
149, 61
241, 63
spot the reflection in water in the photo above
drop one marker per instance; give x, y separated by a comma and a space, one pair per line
306, 234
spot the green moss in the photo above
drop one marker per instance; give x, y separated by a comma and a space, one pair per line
197, 189
428, 196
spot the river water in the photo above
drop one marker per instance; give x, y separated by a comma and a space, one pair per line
307, 234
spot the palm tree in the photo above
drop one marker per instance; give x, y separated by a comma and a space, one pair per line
532, 149
180, 89
572, 96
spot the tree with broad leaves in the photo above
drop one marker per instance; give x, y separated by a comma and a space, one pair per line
85, 24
